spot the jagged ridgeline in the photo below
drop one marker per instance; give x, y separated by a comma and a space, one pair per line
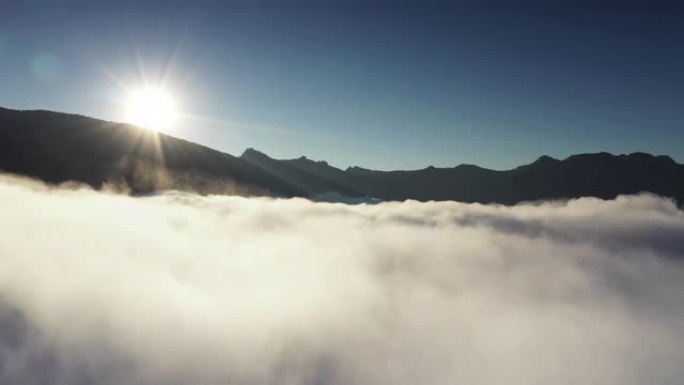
58, 148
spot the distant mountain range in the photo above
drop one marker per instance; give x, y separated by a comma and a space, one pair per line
58, 147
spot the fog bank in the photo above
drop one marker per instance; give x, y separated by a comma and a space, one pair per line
99, 288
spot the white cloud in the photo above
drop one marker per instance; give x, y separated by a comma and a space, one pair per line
183, 289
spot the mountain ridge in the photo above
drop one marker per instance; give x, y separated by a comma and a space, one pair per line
58, 147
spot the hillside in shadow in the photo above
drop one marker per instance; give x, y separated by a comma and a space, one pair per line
599, 175
58, 147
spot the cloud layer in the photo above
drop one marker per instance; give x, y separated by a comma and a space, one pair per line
182, 289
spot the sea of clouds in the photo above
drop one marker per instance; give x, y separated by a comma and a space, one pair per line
100, 288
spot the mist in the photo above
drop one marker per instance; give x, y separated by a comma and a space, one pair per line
101, 288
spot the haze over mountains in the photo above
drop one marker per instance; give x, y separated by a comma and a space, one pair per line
58, 147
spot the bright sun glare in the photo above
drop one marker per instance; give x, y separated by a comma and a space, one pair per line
151, 108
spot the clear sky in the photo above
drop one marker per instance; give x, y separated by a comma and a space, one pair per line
386, 85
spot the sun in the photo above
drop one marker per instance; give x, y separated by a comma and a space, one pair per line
152, 108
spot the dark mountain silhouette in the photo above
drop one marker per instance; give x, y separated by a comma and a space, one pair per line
311, 176
57, 147
600, 175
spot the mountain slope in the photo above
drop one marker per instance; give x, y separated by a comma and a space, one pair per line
57, 147
600, 175
312, 177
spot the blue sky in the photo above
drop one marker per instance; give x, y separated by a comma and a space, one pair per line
387, 85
